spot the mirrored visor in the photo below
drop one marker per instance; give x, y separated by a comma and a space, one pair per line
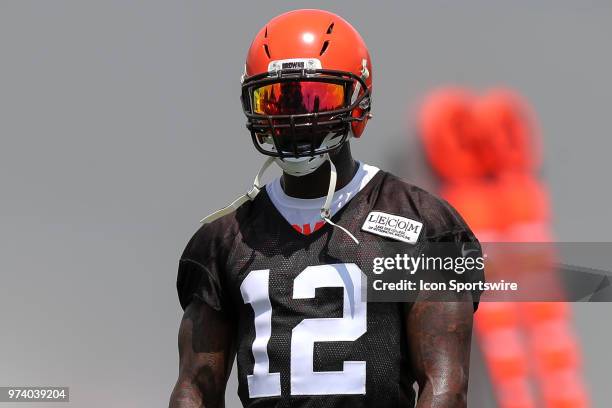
297, 97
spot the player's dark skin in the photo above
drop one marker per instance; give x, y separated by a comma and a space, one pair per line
438, 333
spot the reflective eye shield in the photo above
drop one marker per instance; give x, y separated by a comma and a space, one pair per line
285, 107
298, 97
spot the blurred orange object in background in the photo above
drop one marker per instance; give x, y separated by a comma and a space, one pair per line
486, 150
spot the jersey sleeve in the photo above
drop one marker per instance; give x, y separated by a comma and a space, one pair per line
444, 235
201, 270
461, 247
450, 237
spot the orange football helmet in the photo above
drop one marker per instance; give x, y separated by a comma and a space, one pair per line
307, 84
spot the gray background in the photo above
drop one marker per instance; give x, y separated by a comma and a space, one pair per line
121, 127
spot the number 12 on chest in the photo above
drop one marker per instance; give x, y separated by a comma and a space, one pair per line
352, 325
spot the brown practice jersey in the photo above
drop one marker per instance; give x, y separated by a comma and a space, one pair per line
306, 334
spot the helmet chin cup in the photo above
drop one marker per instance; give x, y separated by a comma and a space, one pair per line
300, 166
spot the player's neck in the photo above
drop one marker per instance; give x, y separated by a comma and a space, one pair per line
315, 184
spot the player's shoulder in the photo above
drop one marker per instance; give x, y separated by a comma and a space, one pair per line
399, 197
216, 238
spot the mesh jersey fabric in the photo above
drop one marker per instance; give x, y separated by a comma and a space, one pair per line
256, 237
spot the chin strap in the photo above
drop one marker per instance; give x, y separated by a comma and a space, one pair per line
250, 195
325, 212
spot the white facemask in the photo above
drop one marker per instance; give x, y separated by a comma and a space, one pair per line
301, 166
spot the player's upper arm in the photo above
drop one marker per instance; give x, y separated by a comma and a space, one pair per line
206, 351
439, 336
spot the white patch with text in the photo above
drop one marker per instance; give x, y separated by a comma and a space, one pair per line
393, 226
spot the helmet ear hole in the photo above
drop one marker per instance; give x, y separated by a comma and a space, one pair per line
361, 111
357, 127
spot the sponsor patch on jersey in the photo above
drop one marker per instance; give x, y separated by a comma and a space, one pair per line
392, 226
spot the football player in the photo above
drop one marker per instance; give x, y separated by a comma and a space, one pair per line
278, 278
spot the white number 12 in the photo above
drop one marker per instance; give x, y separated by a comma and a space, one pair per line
351, 326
